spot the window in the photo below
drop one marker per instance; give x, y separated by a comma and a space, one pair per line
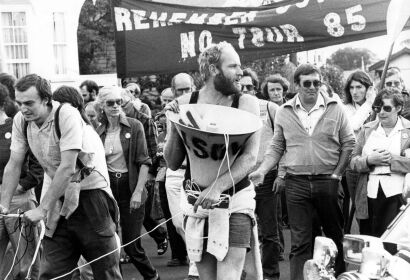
15, 43
59, 44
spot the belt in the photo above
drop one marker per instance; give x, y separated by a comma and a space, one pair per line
238, 186
309, 177
118, 174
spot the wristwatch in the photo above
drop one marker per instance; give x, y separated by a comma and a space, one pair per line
336, 177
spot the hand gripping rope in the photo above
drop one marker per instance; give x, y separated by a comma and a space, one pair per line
42, 232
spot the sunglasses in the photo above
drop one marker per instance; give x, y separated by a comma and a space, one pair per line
378, 109
111, 103
247, 87
393, 84
308, 84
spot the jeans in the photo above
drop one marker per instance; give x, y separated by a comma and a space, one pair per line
160, 233
88, 232
266, 209
176, 241
131, 224
9, 232
305, 194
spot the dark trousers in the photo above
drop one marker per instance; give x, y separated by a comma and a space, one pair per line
160, 233
88, 232
131, 224
352, 179
175, 240
382, 211
266, 209
305, 194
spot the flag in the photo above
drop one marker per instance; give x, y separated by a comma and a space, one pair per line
154, 37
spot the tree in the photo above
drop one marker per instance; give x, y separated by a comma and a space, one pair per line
333, 75
351, 58
96, 47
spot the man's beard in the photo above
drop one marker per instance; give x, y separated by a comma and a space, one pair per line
224, 85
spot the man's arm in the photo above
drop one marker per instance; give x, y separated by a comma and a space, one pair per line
11, 178
347, 142
174, 150
62, 178
275, 150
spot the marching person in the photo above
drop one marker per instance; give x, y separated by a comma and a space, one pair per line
318, 140
220, 68
267, 201
23, 200
128, 163
359, 98
379, 158
77, 204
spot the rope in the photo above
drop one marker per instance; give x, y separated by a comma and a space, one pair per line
116, 249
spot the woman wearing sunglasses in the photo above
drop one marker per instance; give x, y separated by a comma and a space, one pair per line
378, 157
128, 162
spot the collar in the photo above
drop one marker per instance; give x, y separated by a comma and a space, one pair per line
50, 117
103, 127
319, 102
397, 128
292, 103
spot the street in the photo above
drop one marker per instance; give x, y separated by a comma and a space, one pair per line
180, 272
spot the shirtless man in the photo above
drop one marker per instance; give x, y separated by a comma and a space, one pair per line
220, 68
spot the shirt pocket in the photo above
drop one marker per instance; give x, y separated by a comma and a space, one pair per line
329, 127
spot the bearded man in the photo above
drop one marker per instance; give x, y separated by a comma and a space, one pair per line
220, 68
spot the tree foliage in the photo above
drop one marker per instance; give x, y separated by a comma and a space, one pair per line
333, 75
351, 58
96, 49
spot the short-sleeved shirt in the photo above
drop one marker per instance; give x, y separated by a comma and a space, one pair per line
75, 135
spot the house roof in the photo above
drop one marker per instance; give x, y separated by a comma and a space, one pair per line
380, 63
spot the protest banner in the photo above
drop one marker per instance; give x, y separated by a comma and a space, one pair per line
157, 37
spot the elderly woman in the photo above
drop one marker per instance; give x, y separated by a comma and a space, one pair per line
378, 157
128, 163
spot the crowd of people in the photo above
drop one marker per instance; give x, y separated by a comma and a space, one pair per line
97, 162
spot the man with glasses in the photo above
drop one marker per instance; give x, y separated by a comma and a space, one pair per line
249, 82
140, 106
395, 81
181, 84
318, 140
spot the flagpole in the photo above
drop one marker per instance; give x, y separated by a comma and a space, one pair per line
386, 66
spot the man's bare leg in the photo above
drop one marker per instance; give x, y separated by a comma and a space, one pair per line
231, 267
207, 267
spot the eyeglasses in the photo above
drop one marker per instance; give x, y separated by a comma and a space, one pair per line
378, 109
247, 87
393, 84
308, 84
111, 103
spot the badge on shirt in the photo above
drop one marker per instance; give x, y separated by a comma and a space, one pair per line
405, 136
7, 135
127, 135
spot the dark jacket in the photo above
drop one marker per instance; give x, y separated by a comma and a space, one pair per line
399, 164
31, 172
134, 146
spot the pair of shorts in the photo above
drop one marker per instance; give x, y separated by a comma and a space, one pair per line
240, 230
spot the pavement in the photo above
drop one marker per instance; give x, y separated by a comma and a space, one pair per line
180, 272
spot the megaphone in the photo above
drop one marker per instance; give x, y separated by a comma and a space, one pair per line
212, 135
